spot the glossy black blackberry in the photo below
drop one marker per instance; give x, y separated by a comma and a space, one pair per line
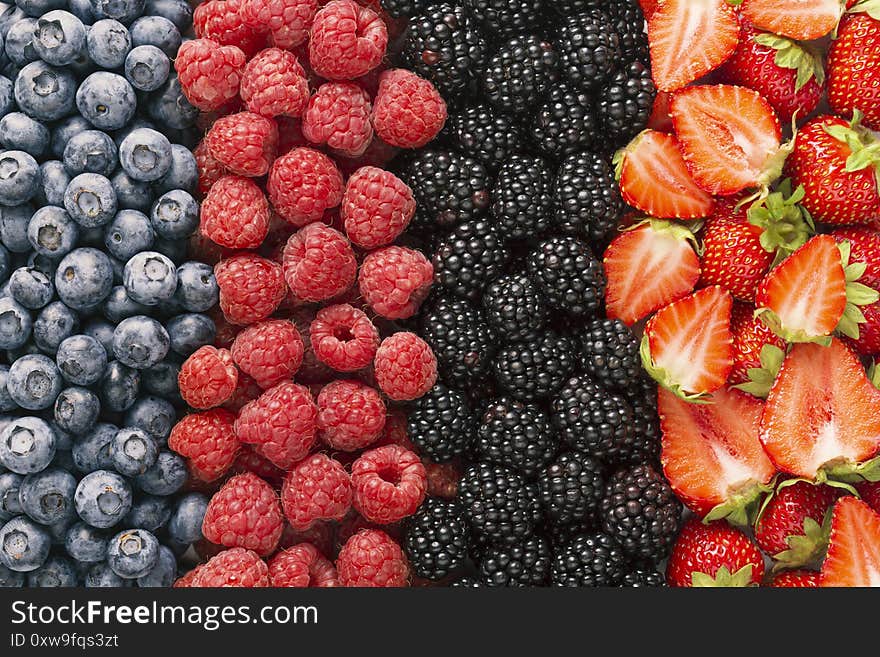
502, 19
441, 424
643, 576
485, 134
610, 353
459, 337
571, 488
534, 369
588, 202
641, 512
589, 49
624, 103
564, 121
400, 8
498, 503
471, 255
560, 535
467, 582
523, 564
522, 198
569, 7
514, 307
517, 435
568, 274
589, 560
642, 396
435, 539
519, 72
629, 23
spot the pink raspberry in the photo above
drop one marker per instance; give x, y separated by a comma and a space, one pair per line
408, 112
302, 566
395, 432
312, 369
303, 184
222, 21
321, 534
269, 351
376, 207
405, 367
389, 484
351, 415
287, 21
244, 513
347, 40
395, 280
344, 338
274, 83
208, 440
186, 581
207, 378
235, 213
251, 287
244, 143
319, 263
249, 461
236, 567
210, 170
209, 73
339, 115
317, 488
281, 424
371, 558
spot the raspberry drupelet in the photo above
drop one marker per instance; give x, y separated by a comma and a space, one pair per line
351, 415
209, 73
338, 115
287, 21
207, 378
318, 488
376, 207
347, 40
235, 213
395, 280
319, 263
208, 440
405, 367
274, 83
389, 484
244, 513
223, 21
408, 111
236, 567
344, 338
302, 566
251, 287
371, 558
269, 351
244, 143
303, 184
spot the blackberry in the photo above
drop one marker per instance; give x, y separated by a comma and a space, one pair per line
483, 133
514, 307
441, 424
643, 576
561, 535
535, 369
505, 18
460, 338
588, 202
522, 564
522, 198
610, 353
570, 488
568, 274
646, 423
401, 8
624, 104
519, 72
435, 539
641, 512
569, 7
564, 122
589, 560
471, 256
516, 435
466, 582
589, 48
498, 503
629, 23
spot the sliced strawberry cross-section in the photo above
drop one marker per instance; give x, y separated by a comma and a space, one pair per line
853, 558
797, 19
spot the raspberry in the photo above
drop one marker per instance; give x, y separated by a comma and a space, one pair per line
442, 479
321, 534
246, 391
371, 558
235, 213
208, 440
251, 287
244, 143
319, 263
312, 369
347, 40
395, 432
207, 378
405, 367
223, 22
389, 484
249, 461
210, 170
344, 338
244, 513
409, 111
280, 424
339, 115
301, 566
269, 351
186, 581
317, 488
236, 567
209, 73
376, 207
287, 21
351, 415
395, 280
303, 184
274, 83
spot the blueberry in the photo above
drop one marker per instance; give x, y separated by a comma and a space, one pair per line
136, 123
77, 410
10, 579
84, 278
118, 306
165, 477
19, 46
86, 543
102, 331
190, 331
131, 194
5, 262
125, 11
44, 92
10, 504
132, 553
149, 512
59, 38
140, 342
81, 360
161, 380
183, 173
53, 181
163, 574
145, 154
178, 12
185, 524
149, 278
14, 354
7, 94
64, 130
9, 15
42, 263
14, 226
169, 106
90, 200
129, 233
102, 498
175, 215
15, 324
30, 287
7, 403
57, 572
147, 68
63, 441
90, 151
47, 496
158, 32
118, 267
24, 545
154, 415
108, 42
19, 177
20, 132
27, 445
133, 452
119, 387
175, 250
102, 576
106, 99
51, 232
82, 9
92, 451
34, 382
39, 7
55, 323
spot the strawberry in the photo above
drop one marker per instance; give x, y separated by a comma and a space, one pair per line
714, 554
868, 342
757, 351
869, 491
687, 345
648, 267
854, 65
822, 417
864, 245
711, 454
729, 137
797, 19
660, 119
654, 178
648, 7
689, 38
795, 579
853, 558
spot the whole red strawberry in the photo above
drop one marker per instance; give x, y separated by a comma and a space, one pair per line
714, 554
864, 245
750, 335
795, 579
854, 66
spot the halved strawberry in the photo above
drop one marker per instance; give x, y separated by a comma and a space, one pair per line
853, 558
648, 267
729, 137
689, 38
654, 178
822, 416
797, 19
660, 119
711, 453
687, 344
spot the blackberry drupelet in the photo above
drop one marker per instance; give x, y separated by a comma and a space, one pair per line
502, 19
471, 255
643, 576
480, 392
568, 274
589, 49
642, 396
522, 198
564, 121
569, 7
466, 582
459, 337
516, 435
514, 307
589, 560
519, 72
441, 424
561, 535
625, 102
401, 8
498, 503
629, 22
522, 564
570, 488
485, 134
588, 202
534, 369
610, 353
435, 539
641, 512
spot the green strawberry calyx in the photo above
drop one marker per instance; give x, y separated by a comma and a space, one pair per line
808, 548
723, 578
786, 225
865, 149
857, 294
870, 7
761, 378
741, 508
796, 56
